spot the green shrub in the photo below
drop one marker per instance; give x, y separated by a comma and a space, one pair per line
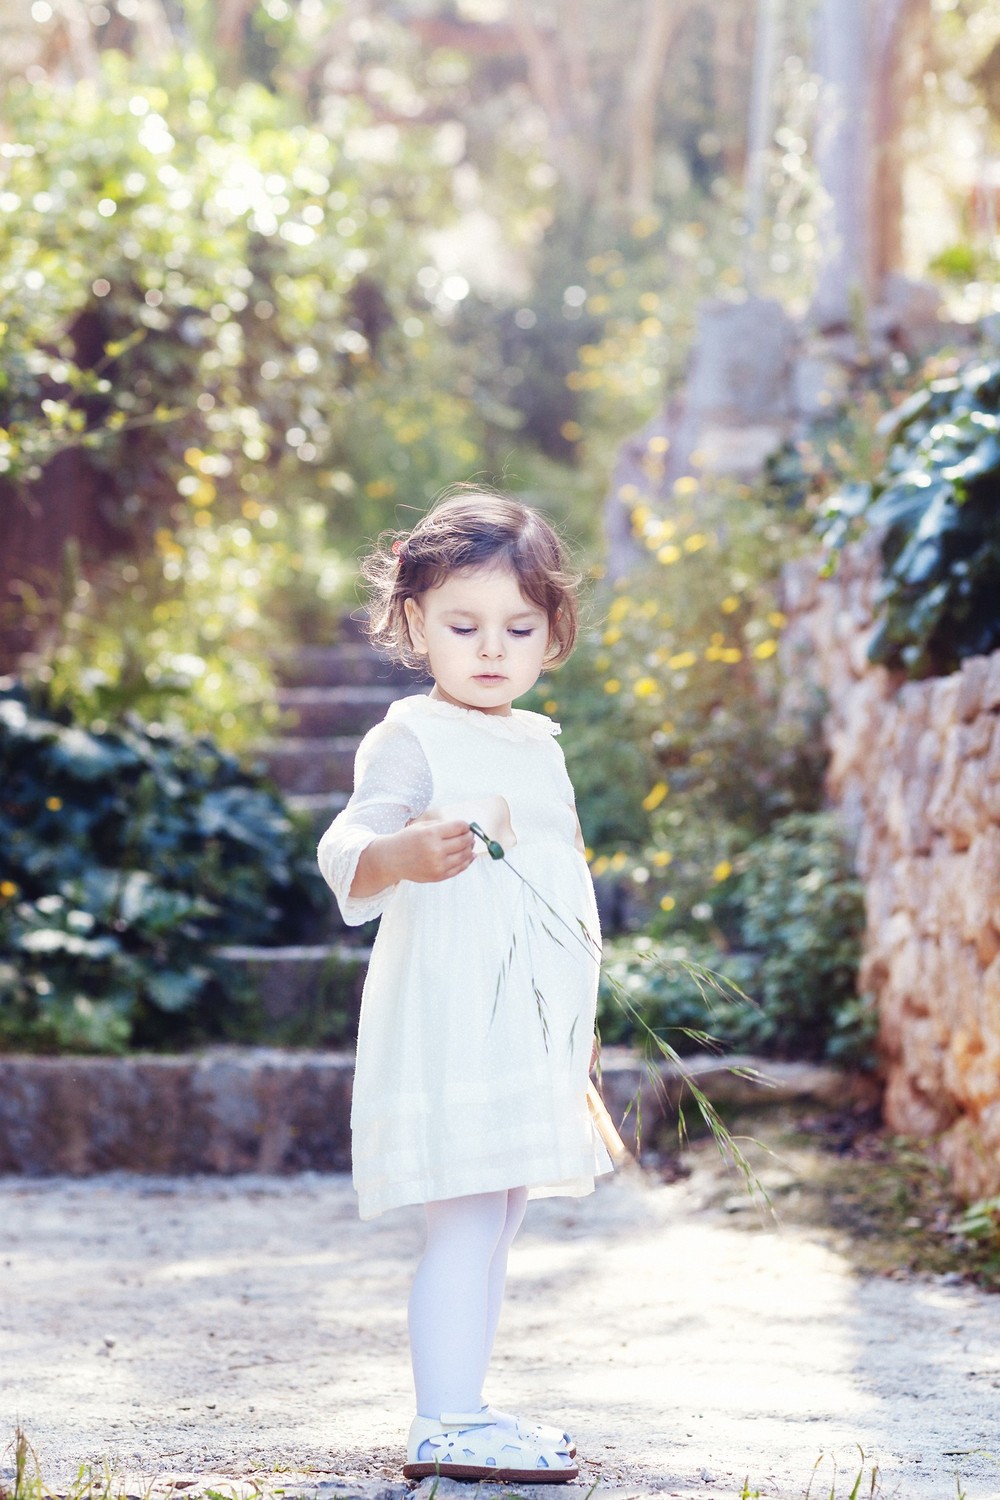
128, 854
786, 931
935, 505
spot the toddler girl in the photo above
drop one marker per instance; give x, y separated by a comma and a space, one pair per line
477, 1015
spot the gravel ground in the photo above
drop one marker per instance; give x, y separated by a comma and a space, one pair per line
253, 1328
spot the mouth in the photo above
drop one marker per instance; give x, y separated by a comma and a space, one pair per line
489, 677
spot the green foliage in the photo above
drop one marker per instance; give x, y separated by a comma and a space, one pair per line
212, 322
670, 700
802, 909
935, 508
786, 931
128, 854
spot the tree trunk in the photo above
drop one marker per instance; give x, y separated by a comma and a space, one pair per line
901, 31
661, 21
761, 131
843, 156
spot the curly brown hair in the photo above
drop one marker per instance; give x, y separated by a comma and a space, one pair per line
470, 527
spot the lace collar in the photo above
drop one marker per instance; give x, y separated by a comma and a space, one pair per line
519, 724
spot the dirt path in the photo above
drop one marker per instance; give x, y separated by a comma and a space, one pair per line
253, 1327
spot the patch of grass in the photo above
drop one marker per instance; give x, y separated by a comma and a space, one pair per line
897, 1216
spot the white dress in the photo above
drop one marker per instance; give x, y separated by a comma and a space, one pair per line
478, 1009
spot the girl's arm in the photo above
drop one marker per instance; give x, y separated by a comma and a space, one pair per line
371, 845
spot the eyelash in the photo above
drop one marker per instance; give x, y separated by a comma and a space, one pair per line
468, 630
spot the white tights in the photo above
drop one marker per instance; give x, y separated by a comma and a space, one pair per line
457, 1294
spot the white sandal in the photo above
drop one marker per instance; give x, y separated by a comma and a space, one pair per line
471, 1445
536, 1432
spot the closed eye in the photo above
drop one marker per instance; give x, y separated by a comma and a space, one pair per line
470, 630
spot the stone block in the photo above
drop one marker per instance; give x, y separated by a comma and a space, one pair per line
800, 585
227, 1110
819, 386
972, 679
991, 684
944, 697
973, 1164
989, 1005
980, 892
741, 368
911, 1111
739, 451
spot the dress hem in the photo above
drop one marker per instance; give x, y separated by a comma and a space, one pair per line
541, 1187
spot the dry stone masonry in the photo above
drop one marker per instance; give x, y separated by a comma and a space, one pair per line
915, 770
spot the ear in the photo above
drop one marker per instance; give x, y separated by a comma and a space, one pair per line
415, 625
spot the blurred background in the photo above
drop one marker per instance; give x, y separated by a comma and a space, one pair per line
274, 272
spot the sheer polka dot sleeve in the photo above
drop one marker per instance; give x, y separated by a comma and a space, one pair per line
392, 784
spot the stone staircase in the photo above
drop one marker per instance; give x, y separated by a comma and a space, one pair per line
330, 696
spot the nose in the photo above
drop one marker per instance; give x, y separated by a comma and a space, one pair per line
492, 647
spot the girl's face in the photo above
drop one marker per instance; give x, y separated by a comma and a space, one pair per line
485, 642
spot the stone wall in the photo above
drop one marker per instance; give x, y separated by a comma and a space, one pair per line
915, 770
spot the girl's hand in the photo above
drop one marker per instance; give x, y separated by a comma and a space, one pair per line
425, 850
428, 850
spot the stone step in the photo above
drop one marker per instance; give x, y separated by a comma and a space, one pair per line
258, 1109
309, 766
349, 709
224, 1111
309, 995
353, 663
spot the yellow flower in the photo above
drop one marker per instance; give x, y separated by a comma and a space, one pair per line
611, 636
654, 797
649, 302
667, 903
602, 661
588, 853
765, 649
730, 605
53, 803
628, 492
8, 890
380, 489
777, 619
618, 860
612, 685
686, 485
723, 870
650, 327
645, 687
682, 661
662, 858
695, 541
619, 607
549, 706
730, 654
600, 865
668, 554
571, 431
